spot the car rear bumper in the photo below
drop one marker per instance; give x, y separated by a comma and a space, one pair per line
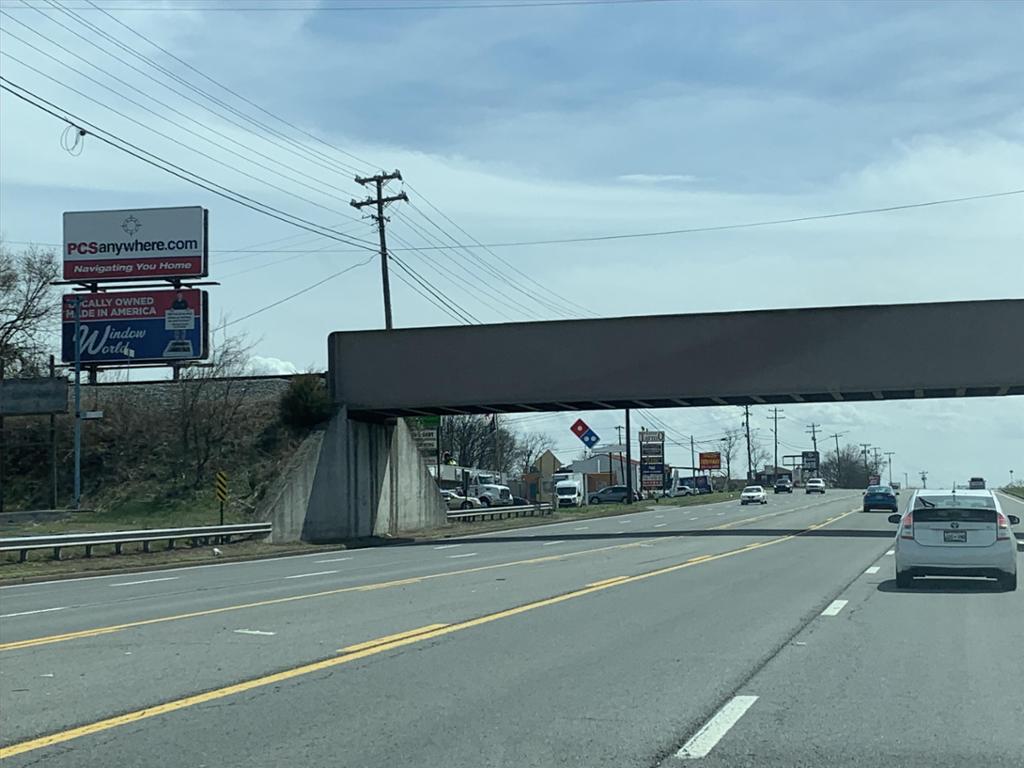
918, 560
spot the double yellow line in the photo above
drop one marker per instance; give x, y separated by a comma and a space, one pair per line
378, 646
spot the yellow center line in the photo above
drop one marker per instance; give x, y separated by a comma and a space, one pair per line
390, 638
98, 631
370, 648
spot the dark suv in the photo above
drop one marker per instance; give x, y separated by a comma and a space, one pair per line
610, 494
783, 485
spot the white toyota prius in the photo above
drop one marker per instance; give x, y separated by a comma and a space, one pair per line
955, 533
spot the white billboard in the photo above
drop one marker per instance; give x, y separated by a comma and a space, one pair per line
133, 244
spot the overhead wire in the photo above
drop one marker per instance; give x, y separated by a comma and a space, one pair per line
160, 133
66, 116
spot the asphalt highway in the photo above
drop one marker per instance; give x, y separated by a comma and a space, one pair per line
723, 635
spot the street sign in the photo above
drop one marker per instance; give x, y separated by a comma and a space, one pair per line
220, 486
27, 397
133, 244
711, 460
875, 480
584, 433
153, 326
810, 460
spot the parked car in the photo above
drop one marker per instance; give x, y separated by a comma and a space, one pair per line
455, 500
815, 485
610, 495
880, 497
783, 485
955, 533
753, 494
682, 490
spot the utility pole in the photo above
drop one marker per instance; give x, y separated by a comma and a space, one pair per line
812, 430
380, 201
924, 478
775, 430
750, 460
906, 480
877, 450
864, 451
839, 458
618, 431
693, 463
889, 455
629, 464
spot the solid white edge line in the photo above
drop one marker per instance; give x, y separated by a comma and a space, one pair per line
834, 607
29, 613
704, 740
143, 581
304, 575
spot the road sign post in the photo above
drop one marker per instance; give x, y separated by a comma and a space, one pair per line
220, 485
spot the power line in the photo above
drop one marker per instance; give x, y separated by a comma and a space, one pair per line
460, 314
167, 166
450, 6
167, 136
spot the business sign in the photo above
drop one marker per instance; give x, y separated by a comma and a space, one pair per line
424, 432
652, 459
144, 243
809, 459
584, 433
126, 327
28, 397
874, 480
711, 460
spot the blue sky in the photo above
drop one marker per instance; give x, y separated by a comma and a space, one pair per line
553, 122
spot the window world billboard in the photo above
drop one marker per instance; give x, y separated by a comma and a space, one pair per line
130, 327
133, 244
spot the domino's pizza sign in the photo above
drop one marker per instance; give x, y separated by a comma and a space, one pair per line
585, 433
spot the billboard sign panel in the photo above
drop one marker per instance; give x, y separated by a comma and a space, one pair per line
127, 327
711, 460
810, 460
133, 244
28, 397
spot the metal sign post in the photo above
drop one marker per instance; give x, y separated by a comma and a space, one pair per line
77, 301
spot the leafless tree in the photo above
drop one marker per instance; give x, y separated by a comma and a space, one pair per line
730, 446
29, 308
528, 449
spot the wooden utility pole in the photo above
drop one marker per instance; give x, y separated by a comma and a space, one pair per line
775, 431
380, 201
812, 430
839, 458
750, 459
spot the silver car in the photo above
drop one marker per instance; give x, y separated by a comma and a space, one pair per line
955, 533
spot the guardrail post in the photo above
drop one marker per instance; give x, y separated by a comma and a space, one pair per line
88, 550
145, 546
226, 539
118, 546
23, 556
56, 553
170, 543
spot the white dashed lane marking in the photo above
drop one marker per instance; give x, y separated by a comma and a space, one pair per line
144, 581
834, 608
872, 569
704, 740
306, 575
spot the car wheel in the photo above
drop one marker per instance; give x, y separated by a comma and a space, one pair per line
466, 505
1008, 582
595, 500
764, 501
904, 580
485, 501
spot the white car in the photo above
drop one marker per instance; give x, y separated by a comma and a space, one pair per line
753, 494
456, 500
815, 485
955, 533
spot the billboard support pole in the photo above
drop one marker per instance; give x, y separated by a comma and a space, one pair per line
53, 448
629, 462
77, 300
3, 447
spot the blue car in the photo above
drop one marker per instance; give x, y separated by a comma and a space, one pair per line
881, 497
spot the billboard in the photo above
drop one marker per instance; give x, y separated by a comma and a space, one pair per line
809, 459
133, 244
153, 326
711, 460
28, 397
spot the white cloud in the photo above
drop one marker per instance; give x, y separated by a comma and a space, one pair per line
657, 178
269, 366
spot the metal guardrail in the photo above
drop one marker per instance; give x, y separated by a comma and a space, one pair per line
500, 513
196, 536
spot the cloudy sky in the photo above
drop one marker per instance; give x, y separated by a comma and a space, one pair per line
514, 124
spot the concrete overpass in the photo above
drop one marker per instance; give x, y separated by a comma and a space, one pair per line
365, 476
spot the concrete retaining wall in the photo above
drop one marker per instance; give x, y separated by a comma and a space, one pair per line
361, 479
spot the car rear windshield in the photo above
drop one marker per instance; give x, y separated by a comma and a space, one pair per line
878, 489
752, 489
971, 509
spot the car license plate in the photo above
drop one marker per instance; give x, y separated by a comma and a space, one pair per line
954, 536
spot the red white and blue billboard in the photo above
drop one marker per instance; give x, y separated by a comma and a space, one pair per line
130, 327
135, 244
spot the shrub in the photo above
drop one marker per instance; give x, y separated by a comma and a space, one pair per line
306, 403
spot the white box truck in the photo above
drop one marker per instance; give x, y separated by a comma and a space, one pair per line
570, 488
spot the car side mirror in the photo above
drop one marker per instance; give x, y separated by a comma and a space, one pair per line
1014, 520
895, 519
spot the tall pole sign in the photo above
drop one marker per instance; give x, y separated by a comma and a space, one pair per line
652, 459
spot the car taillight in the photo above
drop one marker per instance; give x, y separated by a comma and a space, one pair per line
908, 526
1002, 527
